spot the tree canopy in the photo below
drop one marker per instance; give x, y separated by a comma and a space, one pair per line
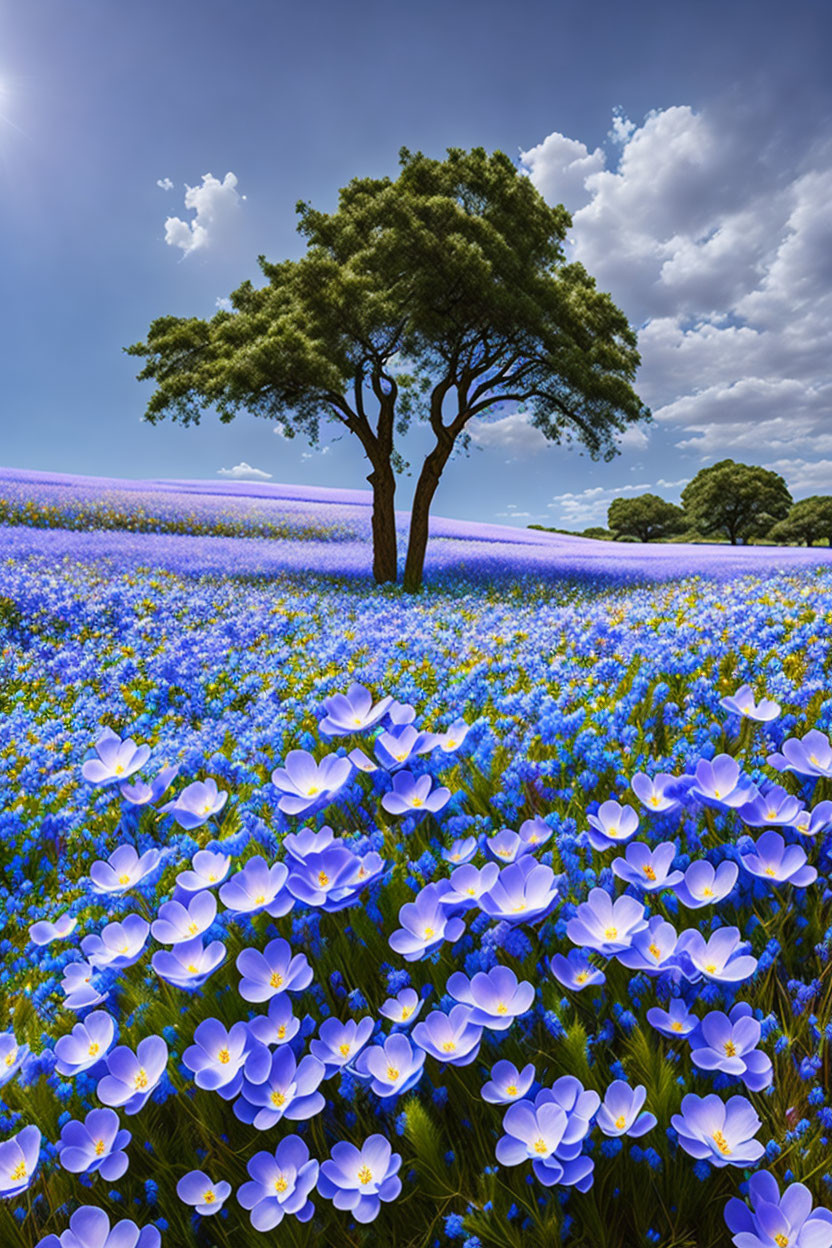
430, 298
809, 521
647, 518
740, 501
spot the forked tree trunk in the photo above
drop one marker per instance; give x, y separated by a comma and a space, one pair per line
385, 555
420, 515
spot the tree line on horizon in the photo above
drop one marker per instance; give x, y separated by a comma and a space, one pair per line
729, 501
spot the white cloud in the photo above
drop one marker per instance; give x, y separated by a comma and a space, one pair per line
633, 439
589, 507
805, 477
244, 472
712, 230
511, 433
216, 205
225, 303
165, 184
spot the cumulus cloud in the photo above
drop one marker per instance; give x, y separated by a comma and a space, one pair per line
165, 184
244, 472
215, 204
512, 434
712, 231
589, 507
225, 303
805, 477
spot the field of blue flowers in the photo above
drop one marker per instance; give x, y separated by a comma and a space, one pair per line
495, 917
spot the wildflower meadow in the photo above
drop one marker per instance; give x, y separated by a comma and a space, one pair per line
496, 916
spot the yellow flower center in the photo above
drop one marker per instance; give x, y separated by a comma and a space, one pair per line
344, 1050
124, 879
407, 1010
193, 928
313, 791
323, 879
707, 892
621, 1122
428, 933
448, 1047
392, 1073
10, 1057
656, 952
649, 872
19, 1172
99, 1148
675, 1026
582, 977
140, 1082
278, 1099
717, 793
280, 1184
276, 979
224, 1056
730, 1049
654, 801
209, 1197
711, 968
540, 1147
259, 901
781, 1240
770, 871
93, 1049
193, 969
281, 1031
365, 1175
416, 801
721, 1143
611, 933
502, 1008
511, 1090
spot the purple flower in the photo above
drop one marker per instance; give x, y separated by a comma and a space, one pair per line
728, 1043
206, 1196
462, 850
89, 1227
334, 878
495, 996
653, 949
400, 713
718, 959
339, 1043
18, 1161
620, 1112
352, 712
648, 869
208, 869
410, 794
393, 1067
305, 783
507, 1083
12, 1056
605, 927
575, 971
451, 1038
776, 806
123, 869
276, 1085
360, 760
787, 1220
119, 945
359, 1179
455, 735
86, 1045
299, 845
188, 965
278, 1025
676, 1020
177, 923
522, 893
393, 749
196, 804
721, 783
467, 885
280, 1183
272, 971
424, 925
78, 986
258, 887
133, 1076
777, 864
611, 825
551, 1132
813, 822
507, 846
404, 1008
717, 1131
95, 1144
116, 760
704, 886
809, 756
742, 703
662, 793
141, 794
217, 1057
535, 832
44, 933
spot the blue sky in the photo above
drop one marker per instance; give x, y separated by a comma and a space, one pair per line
691, 142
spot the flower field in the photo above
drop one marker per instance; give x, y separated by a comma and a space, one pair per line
498, 916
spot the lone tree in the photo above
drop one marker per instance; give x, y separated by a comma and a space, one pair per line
457, 270
646, 517
809, 521
738, 500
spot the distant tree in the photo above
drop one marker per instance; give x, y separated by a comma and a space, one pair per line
449, 284
647, 518
809, 521
598, 532
740, 501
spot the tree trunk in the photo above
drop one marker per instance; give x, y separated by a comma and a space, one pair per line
385, 566
420, 514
